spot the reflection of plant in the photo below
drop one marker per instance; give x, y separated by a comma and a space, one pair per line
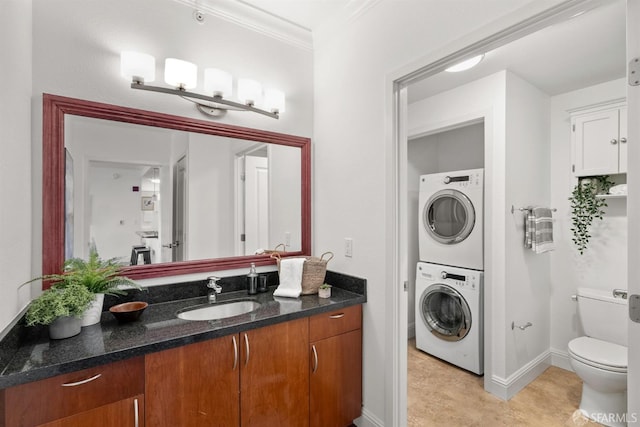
585, 206
56, 302
96, 275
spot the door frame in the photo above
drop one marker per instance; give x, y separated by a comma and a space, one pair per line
397, 228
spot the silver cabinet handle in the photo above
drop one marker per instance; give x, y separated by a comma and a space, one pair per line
623, 140
235, 353
614, 141
620, 293
135, 413
315, 359
336, 316
246, 346
88, 380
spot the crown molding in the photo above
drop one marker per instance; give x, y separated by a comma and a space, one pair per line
254, 19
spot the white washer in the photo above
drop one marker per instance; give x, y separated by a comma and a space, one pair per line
449, 315
451, 218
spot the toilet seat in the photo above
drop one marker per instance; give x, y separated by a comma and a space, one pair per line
599, 354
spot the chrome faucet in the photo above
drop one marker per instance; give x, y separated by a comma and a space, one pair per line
215, 289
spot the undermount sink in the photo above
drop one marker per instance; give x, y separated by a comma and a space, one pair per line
220, 310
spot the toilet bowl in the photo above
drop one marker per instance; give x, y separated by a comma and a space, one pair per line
602, 366
600, 357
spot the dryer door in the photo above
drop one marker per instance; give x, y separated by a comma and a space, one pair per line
448, 217
445, 312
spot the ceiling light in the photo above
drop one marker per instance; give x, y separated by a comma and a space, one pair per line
218, 85
466, 64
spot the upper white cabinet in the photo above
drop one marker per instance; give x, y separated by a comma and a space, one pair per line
599, 140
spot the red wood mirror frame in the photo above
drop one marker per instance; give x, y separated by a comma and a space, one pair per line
53, 186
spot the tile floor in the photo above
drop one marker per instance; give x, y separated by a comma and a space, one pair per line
440, 394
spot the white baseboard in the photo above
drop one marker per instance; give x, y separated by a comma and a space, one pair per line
368, 420
560, 359
507, 388
411, 332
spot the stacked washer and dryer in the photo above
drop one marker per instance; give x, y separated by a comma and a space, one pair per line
449, 276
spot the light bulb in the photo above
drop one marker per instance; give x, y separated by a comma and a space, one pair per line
137, 67
180, 74
218, 82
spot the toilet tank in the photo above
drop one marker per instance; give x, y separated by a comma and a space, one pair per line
603, 316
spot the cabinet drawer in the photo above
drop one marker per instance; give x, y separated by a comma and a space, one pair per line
335, 322
58, 397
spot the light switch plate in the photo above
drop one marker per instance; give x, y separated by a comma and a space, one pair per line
634, 308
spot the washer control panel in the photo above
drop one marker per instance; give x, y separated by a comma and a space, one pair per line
450, 277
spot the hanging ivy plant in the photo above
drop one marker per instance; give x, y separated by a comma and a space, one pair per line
585, 207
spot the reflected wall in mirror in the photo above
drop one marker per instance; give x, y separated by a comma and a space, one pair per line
166, 194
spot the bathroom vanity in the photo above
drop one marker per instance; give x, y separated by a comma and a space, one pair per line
290, 362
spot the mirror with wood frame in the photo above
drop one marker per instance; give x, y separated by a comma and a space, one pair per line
119, 171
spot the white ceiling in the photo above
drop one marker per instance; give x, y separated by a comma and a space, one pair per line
583, 51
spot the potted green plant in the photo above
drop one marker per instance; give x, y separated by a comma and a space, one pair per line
585, 207
100, 277
324, 291
60, 308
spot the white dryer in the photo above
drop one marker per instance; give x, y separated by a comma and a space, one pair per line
449, 315
451, 208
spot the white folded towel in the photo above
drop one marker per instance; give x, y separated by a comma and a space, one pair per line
290, 278
618, 190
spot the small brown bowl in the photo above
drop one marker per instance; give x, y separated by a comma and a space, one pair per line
128, 311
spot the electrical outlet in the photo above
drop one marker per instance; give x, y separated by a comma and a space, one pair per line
287, 238
348, 247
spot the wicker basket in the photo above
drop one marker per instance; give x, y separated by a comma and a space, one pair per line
275, 250
313, 271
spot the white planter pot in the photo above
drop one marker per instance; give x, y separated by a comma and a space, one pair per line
324, 292
92, 314
64, 327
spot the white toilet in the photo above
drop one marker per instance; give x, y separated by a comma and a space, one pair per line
600, 357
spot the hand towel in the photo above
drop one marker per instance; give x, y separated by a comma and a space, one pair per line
542, 240
618, 190
290, 278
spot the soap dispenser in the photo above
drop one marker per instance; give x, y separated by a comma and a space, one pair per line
252, 280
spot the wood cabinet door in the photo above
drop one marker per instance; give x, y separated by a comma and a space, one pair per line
194, 385
124, 413
336, 380
274, 375
596, 143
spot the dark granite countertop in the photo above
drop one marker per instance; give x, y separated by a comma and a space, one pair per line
33, 356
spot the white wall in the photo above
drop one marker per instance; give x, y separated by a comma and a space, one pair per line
604, 263
76, 47
285, 192
15, 161
456, 149
527, 274
211, 190
354, 155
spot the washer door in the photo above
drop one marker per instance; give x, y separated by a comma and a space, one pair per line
445, 312
448, 216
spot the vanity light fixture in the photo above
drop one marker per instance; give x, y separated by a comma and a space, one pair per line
466, 64
183, 75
